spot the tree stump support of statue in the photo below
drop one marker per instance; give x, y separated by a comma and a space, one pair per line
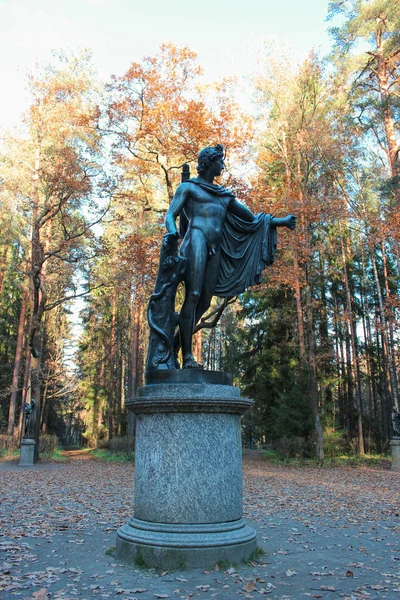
188, 507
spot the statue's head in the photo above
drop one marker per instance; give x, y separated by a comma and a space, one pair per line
208, 155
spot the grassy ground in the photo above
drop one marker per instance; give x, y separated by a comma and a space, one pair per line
7, 454
369, 460
113, 457
60, 455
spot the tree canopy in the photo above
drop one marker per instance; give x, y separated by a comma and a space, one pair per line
84, 188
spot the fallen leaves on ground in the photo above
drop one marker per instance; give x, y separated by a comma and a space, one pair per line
50, 516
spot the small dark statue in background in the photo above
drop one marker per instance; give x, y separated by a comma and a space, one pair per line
224, 250
396, 423
28, 410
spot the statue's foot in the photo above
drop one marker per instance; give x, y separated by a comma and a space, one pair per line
190, 363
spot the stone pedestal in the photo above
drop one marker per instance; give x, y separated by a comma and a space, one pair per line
395, 448
188, 477
27, 452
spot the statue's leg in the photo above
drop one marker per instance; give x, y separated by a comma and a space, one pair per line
196, 252
177, 347
209, 285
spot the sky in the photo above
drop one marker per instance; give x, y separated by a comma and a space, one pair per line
224, 33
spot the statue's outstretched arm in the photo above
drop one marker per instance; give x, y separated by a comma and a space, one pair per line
241, 211
176, 206
289, 221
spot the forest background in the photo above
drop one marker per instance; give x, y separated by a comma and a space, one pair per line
85, 182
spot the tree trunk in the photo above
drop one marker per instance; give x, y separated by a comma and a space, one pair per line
45, 410
299, 308
3, 265
17, 363
26, 393
388, 120
354, 349
38, 301
111, 378
390, 335
383, 331
198, 346
133, 380
121, 395
313, 376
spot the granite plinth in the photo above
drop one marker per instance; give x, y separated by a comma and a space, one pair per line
395, 449
27, 452
188, 503
185, 546
157, 376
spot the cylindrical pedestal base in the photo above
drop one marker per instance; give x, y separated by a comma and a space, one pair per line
395, 448
168, 545
188, 478
27, 452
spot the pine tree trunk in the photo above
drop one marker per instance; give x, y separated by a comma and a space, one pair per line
354, 349
121, 395
134, 358
388, 120
17, 364
313, 377
26, 393
368, 337
45, 409
111, 379
390, 336
3, 266
299, 308
198, 346
390, 402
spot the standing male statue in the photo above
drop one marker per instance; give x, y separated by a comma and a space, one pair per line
225, 247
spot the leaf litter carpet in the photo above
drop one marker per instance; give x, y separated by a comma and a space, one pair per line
327, 533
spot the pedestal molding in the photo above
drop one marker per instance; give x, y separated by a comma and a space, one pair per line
188, 405
163, 535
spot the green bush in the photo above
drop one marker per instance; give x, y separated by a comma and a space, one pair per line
47, 445
293, 447
118, 449
334, 443
102, 444
122, 445
8, 443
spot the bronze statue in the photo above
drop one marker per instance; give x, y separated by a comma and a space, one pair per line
395, 423
28, 410
225, 248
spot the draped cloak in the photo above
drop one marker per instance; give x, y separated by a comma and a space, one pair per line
247, 247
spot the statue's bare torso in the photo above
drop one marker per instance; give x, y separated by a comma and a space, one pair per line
205, 212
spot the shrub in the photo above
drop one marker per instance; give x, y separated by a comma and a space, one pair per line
334, 443
8, 443
283, 448
101, 444
293, 447
122, 445
48, 444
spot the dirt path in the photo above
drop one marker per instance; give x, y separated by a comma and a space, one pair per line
81, 454
327, 533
